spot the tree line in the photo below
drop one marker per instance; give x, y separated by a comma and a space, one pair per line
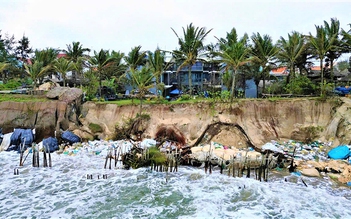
238, 57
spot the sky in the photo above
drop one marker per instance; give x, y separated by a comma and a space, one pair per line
121, 25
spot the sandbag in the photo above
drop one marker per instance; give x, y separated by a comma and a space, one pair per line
19, 137
69, 137
27, 137
50, 144
15, 139
340, 152
6, 142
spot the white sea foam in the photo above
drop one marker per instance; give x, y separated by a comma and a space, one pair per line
64, 191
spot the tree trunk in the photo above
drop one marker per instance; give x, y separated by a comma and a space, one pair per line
233, 87
100, 85
141, 105
291, 74
332, 69
189, 79
322, 75
264, 82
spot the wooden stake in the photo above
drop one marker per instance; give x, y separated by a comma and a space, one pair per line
50, 164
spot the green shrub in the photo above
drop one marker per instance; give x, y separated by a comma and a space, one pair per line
95, 127
185, 97
156, 156
11, 85
301, 86
276, 88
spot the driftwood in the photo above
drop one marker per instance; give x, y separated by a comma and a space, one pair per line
248, 140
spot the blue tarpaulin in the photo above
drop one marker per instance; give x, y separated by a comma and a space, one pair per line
342, 90
340, 152
21, 136
70, 137
50, 144
176, 91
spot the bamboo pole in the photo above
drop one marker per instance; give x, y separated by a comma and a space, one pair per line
50, 164
45, 164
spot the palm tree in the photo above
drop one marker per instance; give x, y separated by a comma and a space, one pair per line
3, 66
191, 48
101, 63
35, 71
336, 50
322, 44
290, 50
346, 40
63, 66
233, 55
157, 64
135, 58
74, 53
118, 67
142, 80
264, 52
47, 57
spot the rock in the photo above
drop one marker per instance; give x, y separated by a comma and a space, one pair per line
56, 92
85, 136
312, 172
336, 166
345, 175
65, 94
48, 86
320, 166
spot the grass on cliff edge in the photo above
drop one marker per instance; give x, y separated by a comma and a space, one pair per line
22, 98
122, 102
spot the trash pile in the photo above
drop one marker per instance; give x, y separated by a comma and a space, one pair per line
317, 150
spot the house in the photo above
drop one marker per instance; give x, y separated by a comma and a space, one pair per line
204, 76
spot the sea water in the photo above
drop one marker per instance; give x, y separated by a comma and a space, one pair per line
65, 191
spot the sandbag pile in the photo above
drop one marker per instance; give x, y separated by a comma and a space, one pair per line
21, 139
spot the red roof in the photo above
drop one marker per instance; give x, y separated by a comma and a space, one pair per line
60, 55
280, 71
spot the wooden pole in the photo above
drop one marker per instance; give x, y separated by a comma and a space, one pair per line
45, 164
50, 164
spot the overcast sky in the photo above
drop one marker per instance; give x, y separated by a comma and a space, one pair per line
123, 24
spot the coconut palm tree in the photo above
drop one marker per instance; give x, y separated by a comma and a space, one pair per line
290, 50
336, 50
346, 39
264, 52
63, 66
75, 53
157, 64
135, 58
233, 55
3, 66
47, 57
118, 67
191, 48
142, 80
322, 44
36, 70
102, 62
